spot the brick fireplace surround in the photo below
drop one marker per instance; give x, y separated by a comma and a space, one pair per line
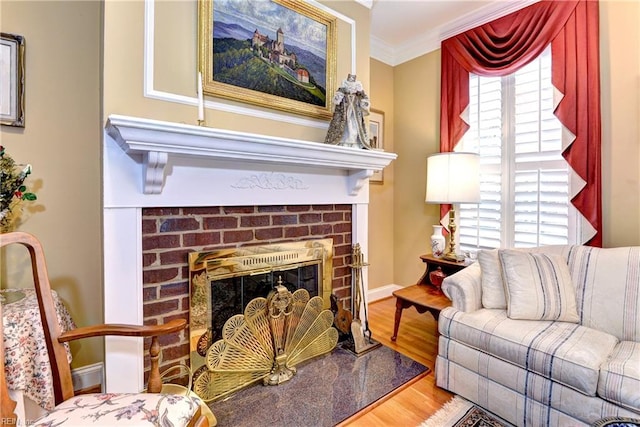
170, 188
169, 234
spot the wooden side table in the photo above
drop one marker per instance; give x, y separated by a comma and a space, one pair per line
448, 268
419, 297
424, 296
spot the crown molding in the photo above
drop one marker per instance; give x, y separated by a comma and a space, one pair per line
420, 45
481, 16
381, 51
430, 40
366, 3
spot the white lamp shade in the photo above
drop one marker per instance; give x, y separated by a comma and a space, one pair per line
453, 178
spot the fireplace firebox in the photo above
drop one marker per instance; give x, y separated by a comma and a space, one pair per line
223, 282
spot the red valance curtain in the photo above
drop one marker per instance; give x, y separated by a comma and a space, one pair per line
505, 45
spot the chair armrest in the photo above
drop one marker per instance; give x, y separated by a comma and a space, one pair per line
464, 288
153, 331
174, 325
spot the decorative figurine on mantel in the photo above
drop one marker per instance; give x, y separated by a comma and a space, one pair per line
348, 127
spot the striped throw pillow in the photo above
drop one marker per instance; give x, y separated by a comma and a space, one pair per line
538, 286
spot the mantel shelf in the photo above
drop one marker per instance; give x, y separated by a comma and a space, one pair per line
157, 140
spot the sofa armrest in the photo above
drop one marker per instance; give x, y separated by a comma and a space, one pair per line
464, 288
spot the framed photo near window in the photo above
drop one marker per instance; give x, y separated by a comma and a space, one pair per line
376, 138
278, 54
12, 80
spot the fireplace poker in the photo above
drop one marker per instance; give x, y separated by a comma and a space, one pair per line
359, 333
360, 283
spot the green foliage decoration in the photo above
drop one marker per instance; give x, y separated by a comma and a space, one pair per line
13, 191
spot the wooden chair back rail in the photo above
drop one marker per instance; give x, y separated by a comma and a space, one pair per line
61, 371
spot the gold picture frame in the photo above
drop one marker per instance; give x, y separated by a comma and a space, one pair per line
376, 139
12, 80
278, 54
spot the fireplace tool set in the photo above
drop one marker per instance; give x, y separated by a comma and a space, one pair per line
362, 341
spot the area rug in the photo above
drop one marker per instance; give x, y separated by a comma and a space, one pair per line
617, 422
459, 412
324, 391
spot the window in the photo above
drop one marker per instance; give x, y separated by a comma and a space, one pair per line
524, 180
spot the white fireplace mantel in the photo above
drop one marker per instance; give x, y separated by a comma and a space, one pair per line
157, 140
151, 163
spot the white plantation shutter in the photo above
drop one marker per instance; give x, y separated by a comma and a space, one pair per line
524, 180
480, 224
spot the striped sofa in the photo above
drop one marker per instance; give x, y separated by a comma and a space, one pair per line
571, 371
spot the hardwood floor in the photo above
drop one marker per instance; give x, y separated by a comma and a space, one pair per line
416, 339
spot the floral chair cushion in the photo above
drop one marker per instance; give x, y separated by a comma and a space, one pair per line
122, 409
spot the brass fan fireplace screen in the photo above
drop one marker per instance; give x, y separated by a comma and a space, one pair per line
282, 289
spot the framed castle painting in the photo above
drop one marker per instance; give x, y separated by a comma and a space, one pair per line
12, 80
277, 54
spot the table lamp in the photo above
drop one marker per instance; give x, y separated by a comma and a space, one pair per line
453, 177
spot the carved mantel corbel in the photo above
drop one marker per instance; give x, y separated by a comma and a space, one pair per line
155, 163
357, 180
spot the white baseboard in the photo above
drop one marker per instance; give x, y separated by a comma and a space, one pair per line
88, 376
382, 292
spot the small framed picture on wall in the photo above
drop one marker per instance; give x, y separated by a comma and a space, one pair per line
12, 80
376, 138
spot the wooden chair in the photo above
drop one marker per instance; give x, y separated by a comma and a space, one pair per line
150, 408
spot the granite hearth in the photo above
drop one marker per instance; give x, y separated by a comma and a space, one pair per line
335, 386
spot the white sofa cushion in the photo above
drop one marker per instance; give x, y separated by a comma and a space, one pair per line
620, 376
493, 295
523, 398
493, 287
606, 280
565, 352
538, 286
608, 289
